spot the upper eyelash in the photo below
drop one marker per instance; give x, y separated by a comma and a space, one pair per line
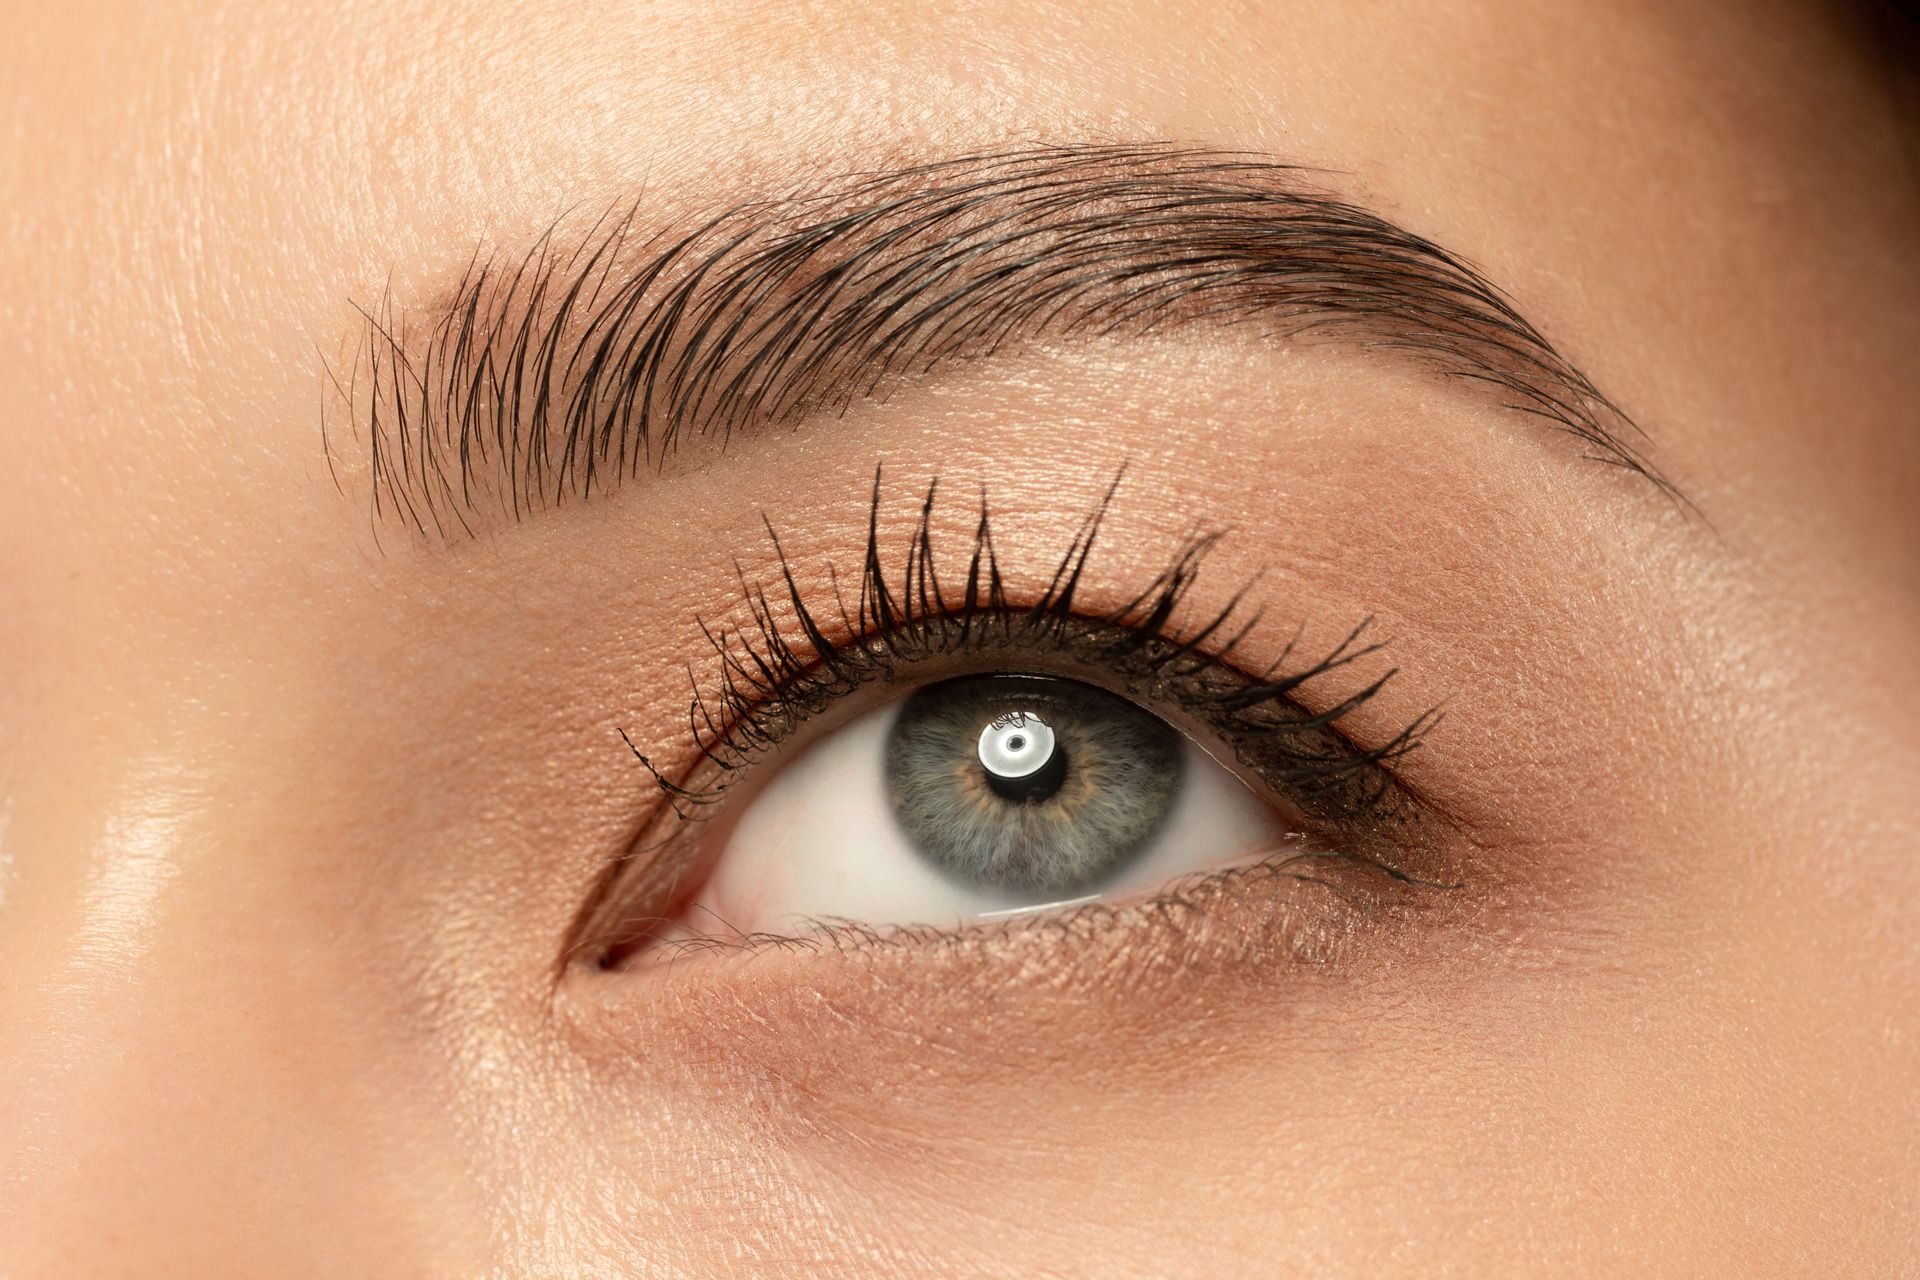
771, 679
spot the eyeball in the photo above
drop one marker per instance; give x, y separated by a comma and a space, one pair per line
975, 797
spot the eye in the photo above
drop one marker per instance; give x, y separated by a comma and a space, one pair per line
974, 797
999, 793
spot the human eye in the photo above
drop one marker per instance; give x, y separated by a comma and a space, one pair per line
928, 755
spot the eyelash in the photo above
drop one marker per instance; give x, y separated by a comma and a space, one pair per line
772, 679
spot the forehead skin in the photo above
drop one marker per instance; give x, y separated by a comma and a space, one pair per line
238, 1042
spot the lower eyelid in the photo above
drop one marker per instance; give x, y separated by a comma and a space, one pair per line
870, 1036
1292, 909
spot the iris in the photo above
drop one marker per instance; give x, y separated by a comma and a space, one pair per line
1029, 783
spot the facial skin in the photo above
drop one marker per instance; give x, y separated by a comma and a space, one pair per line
300, 810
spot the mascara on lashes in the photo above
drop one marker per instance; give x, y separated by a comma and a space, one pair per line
774, 676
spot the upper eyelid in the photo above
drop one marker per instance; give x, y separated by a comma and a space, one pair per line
729, 718
567, 371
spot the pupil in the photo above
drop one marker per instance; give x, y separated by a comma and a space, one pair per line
1033, 783
1020, 758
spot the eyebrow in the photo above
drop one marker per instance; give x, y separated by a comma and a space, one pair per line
563, 372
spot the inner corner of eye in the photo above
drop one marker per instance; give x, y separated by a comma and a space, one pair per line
971, 798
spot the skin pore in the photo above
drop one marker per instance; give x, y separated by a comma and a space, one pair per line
313, 816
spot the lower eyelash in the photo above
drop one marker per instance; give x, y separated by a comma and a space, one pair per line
773, 678
1349, 891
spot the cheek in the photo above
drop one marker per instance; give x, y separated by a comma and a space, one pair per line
1416, 1114
1147, 1131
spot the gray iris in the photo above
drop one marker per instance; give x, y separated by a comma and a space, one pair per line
1029, 783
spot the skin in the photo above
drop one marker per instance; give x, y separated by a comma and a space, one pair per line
295, 820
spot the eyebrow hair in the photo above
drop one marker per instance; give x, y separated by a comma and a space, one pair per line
568, 371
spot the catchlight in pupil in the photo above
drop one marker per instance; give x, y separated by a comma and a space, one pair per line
1021, 758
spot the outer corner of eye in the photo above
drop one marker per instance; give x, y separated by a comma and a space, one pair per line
974, 798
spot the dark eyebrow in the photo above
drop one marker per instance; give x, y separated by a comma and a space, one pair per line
563, 372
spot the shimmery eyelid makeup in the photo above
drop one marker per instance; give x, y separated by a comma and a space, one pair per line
782, 669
